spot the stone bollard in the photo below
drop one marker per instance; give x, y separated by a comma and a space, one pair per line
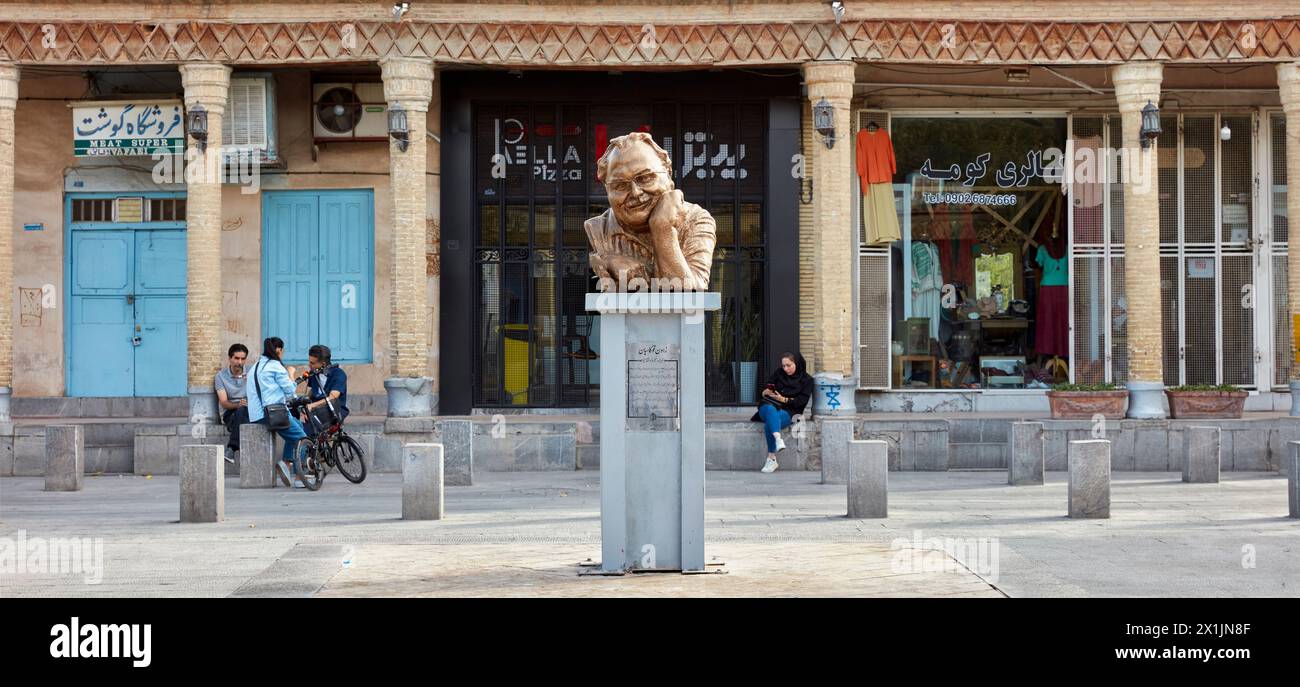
256, 457
1026, 463
1292, 462
65, 457
836, 435
458, 452
422, 482
1201, 455
203, 484
868, 479
1089, 465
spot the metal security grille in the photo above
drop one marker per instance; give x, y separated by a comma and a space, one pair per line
875, 317
1091, 303
1208, 262
141, 209
535, 186
1277, 194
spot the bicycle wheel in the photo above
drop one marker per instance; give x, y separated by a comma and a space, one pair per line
349, 458
310, 471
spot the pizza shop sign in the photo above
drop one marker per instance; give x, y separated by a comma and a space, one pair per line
122, 128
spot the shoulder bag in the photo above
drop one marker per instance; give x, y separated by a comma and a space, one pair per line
277, 414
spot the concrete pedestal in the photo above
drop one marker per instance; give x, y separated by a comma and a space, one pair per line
203, 405
203, 484
422, 482
1146, 400
409, 396
65, 457
835, 438
833, 394
868, 479
652, 429
1201, 454
1089, 466
1025, 465
256, 457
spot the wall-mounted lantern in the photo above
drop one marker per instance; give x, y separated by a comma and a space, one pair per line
196, 125
824, 121
397, 126
1150, 130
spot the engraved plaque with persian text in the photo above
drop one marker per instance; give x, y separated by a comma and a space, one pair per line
652, 381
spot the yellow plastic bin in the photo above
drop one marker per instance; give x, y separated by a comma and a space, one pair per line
516, 346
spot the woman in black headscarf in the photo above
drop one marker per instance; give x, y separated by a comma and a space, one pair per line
786, 395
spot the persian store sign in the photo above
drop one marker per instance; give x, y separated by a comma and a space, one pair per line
124, 128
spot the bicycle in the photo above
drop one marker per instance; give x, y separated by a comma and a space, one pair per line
331, 448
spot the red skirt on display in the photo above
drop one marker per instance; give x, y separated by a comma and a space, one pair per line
1052, 333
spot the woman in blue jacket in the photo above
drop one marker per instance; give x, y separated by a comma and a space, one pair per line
276, 386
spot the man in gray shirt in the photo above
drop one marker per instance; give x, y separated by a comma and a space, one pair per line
231, 397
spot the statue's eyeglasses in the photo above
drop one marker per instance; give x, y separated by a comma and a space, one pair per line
644, 180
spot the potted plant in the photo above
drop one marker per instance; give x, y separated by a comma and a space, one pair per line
1206, 401
1084, 401
751, 340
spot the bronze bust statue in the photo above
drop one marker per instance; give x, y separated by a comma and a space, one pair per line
650, 237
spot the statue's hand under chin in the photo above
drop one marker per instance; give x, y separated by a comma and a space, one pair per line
668, 215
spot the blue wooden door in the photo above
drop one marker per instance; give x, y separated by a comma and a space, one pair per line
102, 320
160, 351
318, 272
127, 323
344, 254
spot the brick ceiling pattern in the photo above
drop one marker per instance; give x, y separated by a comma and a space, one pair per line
611, 46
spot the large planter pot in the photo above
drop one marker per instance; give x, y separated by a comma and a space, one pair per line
1193, 405
1084, 405
746, 376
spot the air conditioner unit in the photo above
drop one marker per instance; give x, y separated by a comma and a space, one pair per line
349, 111
248, 129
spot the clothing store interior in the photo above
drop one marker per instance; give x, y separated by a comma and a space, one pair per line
974, 213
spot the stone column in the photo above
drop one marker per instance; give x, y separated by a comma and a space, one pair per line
203, 484
422, 484
1089, 485
835, 436
65, 457
1025, 464
834, 187
8, 102
1136, 84
868, 479
1288, 83
206, 84
408, 82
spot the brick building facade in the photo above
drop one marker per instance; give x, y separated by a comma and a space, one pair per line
454, 294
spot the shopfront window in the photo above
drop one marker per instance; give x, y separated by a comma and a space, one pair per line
535, 185
981, 275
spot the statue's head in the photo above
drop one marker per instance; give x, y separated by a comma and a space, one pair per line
636, 173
